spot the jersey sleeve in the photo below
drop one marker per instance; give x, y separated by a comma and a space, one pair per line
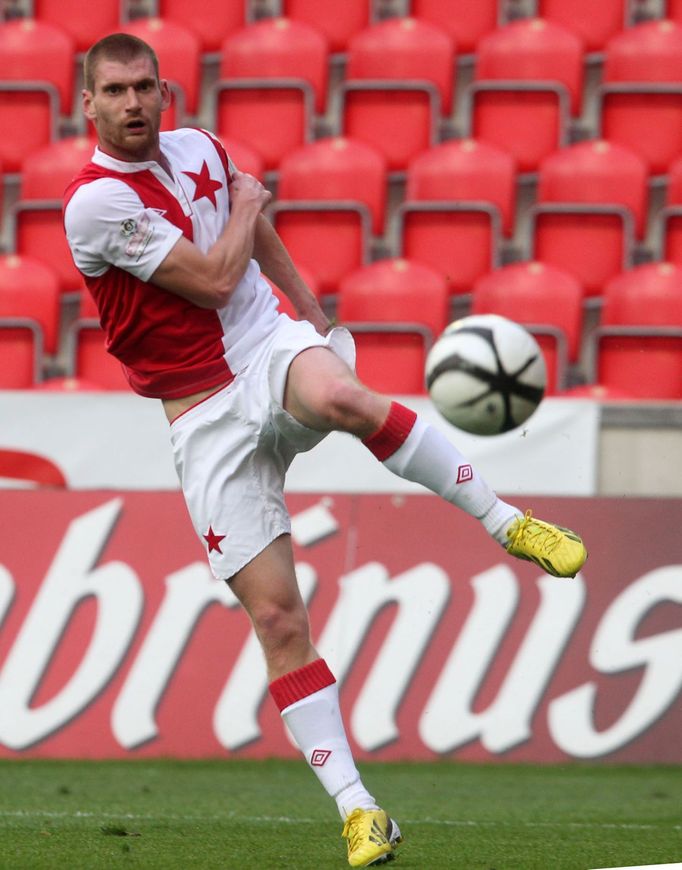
107, 225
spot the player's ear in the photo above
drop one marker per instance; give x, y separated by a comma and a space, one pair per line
88, 105
165, 94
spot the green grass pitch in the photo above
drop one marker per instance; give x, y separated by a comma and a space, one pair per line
222, 814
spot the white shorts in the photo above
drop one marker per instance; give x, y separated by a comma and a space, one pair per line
232, 449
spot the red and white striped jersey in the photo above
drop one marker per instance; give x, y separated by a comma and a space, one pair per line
121, 221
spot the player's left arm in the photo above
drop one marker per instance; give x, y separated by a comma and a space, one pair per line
275, 262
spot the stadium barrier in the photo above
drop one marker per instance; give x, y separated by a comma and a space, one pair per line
115, 641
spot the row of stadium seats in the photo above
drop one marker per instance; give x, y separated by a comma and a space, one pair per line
597, 209
213, 21
593, 214
398, 91
396, 308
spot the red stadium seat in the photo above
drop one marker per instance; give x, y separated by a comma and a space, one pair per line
338, 27
642, 91
528, 83
30, 289
674, 10
89, 360
38, 223
244, 157
399, 82
592, 203
45, 174
671, 216
212, 20
21, 351
638, 345
459, 200
547, 301
33, 51
466, 22
395, 309
83, 20
675, 182
594, 23
179, 52
273, 79
37, 86
331, 198
29, 320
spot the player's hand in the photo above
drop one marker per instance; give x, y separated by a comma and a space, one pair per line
245, 190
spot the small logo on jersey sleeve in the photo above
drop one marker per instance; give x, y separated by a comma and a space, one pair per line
138, 233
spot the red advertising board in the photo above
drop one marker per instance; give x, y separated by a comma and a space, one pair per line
116, 642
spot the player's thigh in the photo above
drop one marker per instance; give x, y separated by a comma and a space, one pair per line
323, 393
312, 376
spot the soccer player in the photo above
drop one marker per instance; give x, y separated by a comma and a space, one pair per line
171, 240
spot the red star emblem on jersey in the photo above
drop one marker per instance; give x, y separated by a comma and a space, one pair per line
205, 186
213, 540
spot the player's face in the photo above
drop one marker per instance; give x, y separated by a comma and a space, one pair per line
126, 107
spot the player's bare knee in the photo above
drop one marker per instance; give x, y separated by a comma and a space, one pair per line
347, 405
278, 626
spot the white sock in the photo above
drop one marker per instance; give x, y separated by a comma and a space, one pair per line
317, 727
426, 456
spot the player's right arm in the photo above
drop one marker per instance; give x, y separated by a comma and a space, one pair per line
107, 225
209, 279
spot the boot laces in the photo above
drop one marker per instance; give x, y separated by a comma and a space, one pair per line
351, 829
544, 537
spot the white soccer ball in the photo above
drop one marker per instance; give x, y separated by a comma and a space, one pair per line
486, 374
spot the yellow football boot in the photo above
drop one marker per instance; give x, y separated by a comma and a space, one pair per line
556, 550
372, 837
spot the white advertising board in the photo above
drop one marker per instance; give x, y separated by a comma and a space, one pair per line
120, 441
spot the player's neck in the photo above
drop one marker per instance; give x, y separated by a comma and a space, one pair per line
147, 156
164, 163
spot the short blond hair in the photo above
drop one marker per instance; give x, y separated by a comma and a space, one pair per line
121, 47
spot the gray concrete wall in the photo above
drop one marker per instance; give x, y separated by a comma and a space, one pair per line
640, 450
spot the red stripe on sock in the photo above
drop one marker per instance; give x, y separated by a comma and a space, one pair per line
397, 426
300, 683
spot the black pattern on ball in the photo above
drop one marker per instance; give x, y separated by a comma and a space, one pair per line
501, 381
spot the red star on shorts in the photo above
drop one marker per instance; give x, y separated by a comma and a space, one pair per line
205, 185
213, 540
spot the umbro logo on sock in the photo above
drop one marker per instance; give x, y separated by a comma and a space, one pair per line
319, 757
464, 473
